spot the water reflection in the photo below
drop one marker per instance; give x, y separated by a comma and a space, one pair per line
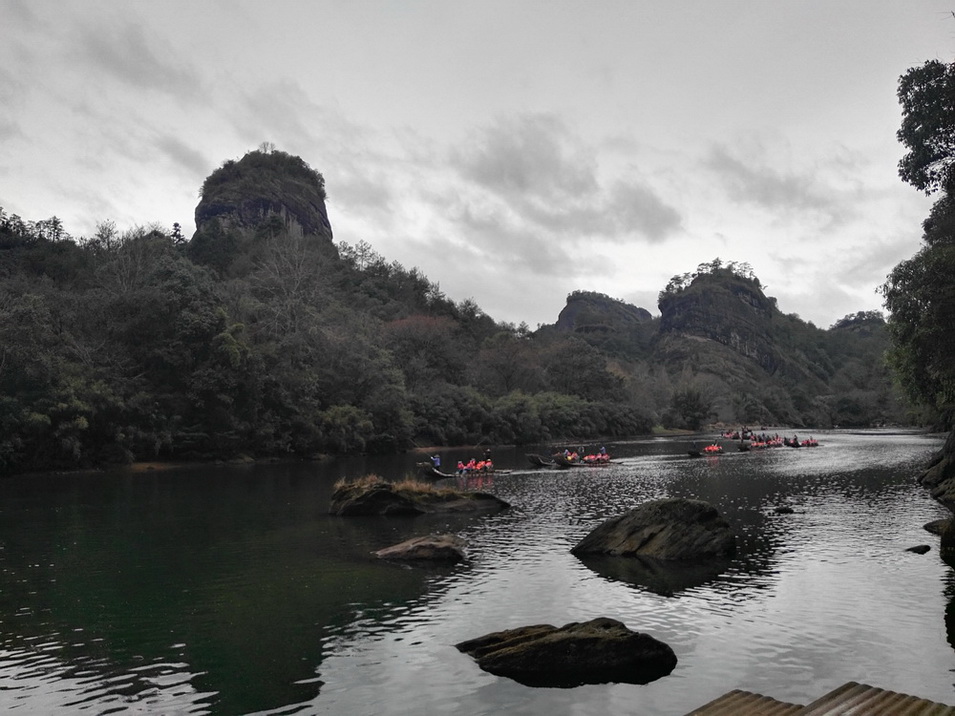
232, 591
666, 578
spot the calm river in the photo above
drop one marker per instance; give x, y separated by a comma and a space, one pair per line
230, 590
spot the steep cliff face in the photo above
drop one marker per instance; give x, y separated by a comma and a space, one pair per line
728, 309
264, 193
589, 312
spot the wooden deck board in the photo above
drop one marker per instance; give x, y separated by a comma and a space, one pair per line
850, 699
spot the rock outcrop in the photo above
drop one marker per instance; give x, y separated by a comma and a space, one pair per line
595, 652
249, 203
242, 195
589, 312
669, 529
383, 498
447, 548
728, 309
939, 478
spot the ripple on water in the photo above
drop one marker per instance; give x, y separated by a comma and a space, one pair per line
826, 594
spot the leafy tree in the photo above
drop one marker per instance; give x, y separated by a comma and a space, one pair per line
691, 407
927, 96
575, 367
920, 292
426, 349
507, 363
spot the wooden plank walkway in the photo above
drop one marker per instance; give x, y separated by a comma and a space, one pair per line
851, 699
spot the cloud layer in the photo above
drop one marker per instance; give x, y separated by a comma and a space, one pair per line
588, 147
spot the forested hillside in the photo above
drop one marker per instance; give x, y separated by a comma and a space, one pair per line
262, 336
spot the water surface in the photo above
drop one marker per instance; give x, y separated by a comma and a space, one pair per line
230, 590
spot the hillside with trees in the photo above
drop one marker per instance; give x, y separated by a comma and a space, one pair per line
261, 336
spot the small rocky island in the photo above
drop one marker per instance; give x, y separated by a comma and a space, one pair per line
668, 529
433, 548
373, 496
596, 652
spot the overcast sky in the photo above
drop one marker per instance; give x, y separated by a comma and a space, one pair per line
513, 150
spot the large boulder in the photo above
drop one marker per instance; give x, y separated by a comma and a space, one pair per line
378, 499
669, 529
366, 497
447, 548
596, 652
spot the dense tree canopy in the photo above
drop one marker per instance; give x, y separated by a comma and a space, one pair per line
256, 337
920, 292
927, 96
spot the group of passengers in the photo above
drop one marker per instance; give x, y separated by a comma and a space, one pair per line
483, 465
472, 465
598, 457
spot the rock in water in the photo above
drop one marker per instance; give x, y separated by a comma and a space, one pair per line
596, 652
377, 499
384, 498
445, 548
677, 529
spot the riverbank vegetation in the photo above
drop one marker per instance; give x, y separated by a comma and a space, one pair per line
262, 336
920, 292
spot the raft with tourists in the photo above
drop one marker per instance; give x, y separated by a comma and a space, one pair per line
569, 459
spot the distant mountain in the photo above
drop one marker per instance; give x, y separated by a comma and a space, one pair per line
262, 337
719, 333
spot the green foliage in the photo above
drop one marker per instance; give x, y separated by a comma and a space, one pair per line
249, 339
716, 267
691, 408
860, 319
920, 293
272, 171
927, 96
920, 296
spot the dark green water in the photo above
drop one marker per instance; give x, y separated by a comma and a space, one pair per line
230, 590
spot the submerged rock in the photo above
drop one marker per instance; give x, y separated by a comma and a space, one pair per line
596, 652
919, 549
383, 498
669, 529
446, 548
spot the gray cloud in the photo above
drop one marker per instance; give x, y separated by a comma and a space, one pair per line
635, 207
131, 56
182, 155
495, 236
9, 129
273, 112
547, 178
531, 155
769, 188
22, 15
364, 191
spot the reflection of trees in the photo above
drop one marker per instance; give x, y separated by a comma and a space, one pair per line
227, 580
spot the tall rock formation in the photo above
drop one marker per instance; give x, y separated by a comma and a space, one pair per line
727, 308
263, 195
590, 312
